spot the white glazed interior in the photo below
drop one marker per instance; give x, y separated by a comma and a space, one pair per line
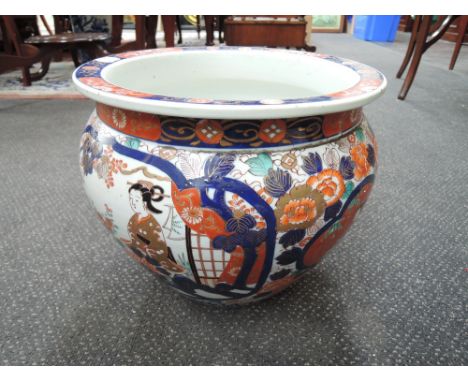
267, 76
231, 75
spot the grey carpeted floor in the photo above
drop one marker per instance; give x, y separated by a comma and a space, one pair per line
393, 291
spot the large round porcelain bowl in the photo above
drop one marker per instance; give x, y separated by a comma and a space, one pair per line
228, 171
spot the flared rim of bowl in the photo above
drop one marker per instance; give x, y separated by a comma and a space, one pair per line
91, 81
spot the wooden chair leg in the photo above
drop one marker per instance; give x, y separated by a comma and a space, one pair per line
420, 47
462, 26
411, 45
169, 29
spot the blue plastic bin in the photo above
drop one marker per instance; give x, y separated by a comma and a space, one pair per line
376, 28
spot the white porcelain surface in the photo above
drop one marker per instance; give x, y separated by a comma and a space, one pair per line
233, 82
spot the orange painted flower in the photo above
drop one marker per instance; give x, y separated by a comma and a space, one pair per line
200, 219
299, 209
119, 118
193, 215
359, 156
330, 183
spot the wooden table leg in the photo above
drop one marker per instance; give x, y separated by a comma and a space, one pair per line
420, 47
209, 26
219, 23
117, 27
140, 31
179, 29
411, 45
169, 29
151, 26
26, 76
74, 54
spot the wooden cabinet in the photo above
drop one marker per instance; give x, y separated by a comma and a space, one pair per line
271, 31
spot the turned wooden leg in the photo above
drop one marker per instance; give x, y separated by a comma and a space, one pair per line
463, 24
179, 29
26, 76
209, 26
140, 31
220, 29
420, 47
151, 26
169, 29
411, 45
117, 28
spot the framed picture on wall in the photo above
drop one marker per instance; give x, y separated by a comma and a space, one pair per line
328, 23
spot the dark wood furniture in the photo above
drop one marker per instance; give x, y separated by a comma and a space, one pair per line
212, 23
117, 46
460, 39
209, 27
23, 53
26, 26
406, 23
20, 55
93, 43
270, 31
219, 24
423, 35
179, 29
452, 32
151, 23
169, 24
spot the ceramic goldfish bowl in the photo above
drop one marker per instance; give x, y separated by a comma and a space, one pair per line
228, 172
